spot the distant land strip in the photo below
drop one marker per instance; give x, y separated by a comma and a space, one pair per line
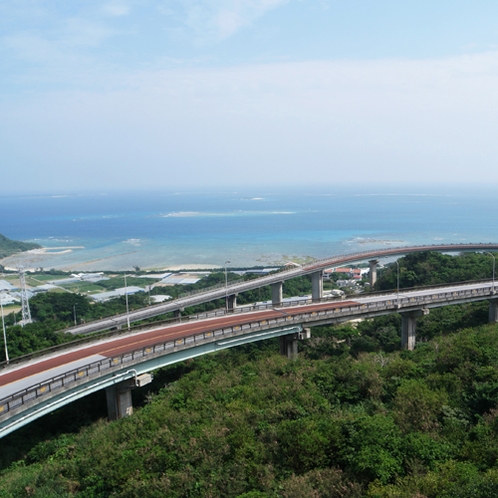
8, 247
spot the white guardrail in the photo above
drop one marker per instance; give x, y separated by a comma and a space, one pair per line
98, 368
218, 291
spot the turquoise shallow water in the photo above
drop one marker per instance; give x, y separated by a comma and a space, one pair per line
169, 229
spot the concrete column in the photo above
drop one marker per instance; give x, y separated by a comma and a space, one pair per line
288, 343
409, 327
373, 271
277, 293
288, 346
493, 310
119, 402
232, 302
177, 313
317, 285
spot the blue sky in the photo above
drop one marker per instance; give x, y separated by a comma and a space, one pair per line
154, 94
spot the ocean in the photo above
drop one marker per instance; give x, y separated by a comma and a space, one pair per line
257, 227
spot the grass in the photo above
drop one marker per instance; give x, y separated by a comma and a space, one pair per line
11, 308
84, 287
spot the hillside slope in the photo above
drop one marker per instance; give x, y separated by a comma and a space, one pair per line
250, 423
9, 247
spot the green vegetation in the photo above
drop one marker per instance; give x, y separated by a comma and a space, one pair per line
335, 422
432, 268
353, 416
9, 247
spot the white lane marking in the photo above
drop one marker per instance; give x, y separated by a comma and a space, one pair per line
40, 377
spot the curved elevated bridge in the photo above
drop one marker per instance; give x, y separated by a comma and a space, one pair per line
276, 281
34, 386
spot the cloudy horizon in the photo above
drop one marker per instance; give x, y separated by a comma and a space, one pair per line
166, 94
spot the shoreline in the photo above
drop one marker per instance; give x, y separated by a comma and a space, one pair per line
79, 258
56, 258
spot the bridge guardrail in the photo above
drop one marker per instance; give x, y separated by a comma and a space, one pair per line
305, 269
298, 301
395, 303
308, 268
96, 368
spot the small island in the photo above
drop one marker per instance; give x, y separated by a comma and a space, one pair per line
9, 247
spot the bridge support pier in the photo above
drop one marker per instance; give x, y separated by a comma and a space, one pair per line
277, 293
409, 327
119, 402
373, 271
288, 346
232, 302
288, 343
493, 310
177, 313
317, 286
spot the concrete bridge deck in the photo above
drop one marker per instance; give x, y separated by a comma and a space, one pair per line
33, 387
275, 280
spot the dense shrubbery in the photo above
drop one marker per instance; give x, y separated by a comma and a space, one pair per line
250, 423
431, 268
354, 416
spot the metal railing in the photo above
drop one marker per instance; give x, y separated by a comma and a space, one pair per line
292, 302
284, 274
350, 309
97, 368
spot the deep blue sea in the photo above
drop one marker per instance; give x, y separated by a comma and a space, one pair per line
160, 230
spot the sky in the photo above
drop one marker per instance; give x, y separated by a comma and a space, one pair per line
129, 94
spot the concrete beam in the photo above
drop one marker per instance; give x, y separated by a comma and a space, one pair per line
317, 285
493, 310
38, 407
373, 271
277, 293
409, 327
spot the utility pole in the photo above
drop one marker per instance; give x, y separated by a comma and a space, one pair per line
226, 286
127, 307
4, 333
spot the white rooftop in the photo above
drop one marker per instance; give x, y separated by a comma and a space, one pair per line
104, 296
4, 285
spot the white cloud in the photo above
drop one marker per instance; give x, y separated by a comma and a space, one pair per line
215, 20
78, 32
329, 121
116, 9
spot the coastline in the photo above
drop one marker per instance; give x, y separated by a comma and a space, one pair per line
111, 257
120, 232
78, 258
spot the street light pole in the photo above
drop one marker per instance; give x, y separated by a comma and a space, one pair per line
226, 286
397, 282
494, 265
4, 333
127, 308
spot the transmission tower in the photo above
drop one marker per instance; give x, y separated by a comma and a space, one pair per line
26, 313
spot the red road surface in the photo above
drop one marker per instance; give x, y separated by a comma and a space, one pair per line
122, 345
